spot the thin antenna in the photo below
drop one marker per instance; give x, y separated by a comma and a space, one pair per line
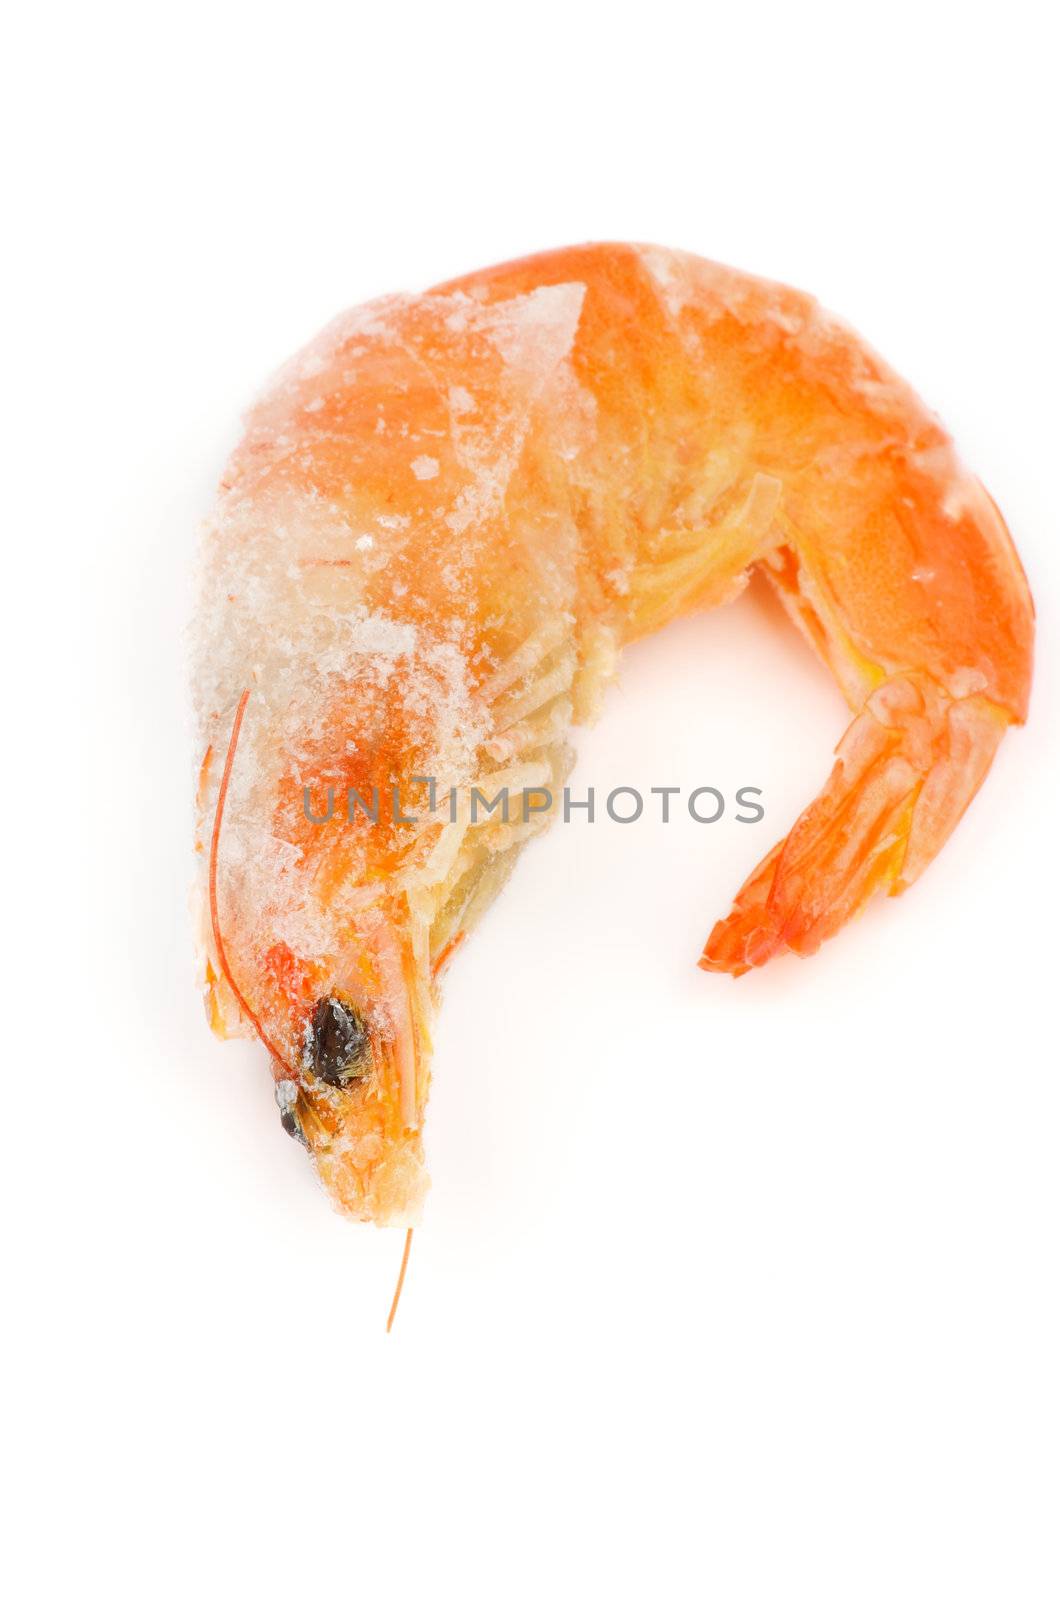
215, 921
401, 1280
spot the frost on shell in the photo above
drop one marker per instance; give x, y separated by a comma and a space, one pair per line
342, 594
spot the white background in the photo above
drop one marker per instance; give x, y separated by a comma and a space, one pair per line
739, 1290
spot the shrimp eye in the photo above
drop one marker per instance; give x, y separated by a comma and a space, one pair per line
338, 1048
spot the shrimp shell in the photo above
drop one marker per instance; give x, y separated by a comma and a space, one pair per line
447, 516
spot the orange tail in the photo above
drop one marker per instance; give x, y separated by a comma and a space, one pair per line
905, 771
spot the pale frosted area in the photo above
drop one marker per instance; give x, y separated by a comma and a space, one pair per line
346, 584
291, 583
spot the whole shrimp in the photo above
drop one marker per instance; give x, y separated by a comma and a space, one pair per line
447, 516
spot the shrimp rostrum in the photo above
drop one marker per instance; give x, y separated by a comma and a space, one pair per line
446, 517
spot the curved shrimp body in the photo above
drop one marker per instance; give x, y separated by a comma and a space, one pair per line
447, 516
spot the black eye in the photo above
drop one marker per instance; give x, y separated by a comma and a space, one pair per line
338, 1049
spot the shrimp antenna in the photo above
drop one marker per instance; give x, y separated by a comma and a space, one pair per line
401, 1280
215, 840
